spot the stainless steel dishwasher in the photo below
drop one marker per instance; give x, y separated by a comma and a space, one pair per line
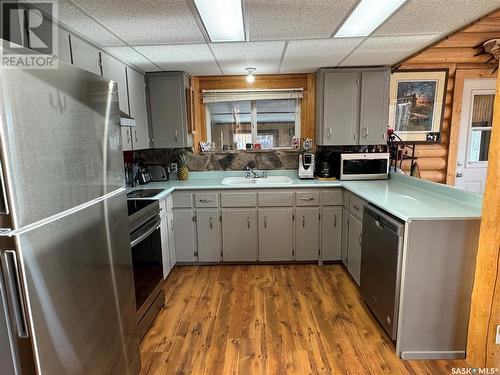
381, 253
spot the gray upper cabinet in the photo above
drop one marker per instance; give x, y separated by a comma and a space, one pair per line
352, 106
339, 101
138, 108
64, 51
374, 114
167, 95
85, 55
114, 70
275, 234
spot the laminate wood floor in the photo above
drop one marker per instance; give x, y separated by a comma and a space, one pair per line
270, 319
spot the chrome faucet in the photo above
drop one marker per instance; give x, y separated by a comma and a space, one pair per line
252, 174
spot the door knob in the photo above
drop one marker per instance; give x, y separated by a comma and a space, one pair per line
459, 174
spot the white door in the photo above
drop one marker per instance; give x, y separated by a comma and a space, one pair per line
475, 132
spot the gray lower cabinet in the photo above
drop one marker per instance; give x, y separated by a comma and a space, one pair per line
276, 234
208, 235
354, 248
185, 235
345, 235
331, 233
171, 238
239, 235
165, 246
307, 233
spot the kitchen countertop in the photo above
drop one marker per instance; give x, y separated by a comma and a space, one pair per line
405, 197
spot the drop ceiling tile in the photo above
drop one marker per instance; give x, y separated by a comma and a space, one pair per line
387, 50
294, 19
435, 16
146, 21
195, 59
133, 57
77, 21
235, 57
304, 56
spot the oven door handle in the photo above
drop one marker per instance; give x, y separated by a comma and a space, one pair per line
145, 235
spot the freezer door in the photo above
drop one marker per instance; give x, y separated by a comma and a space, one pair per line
61, 140
79, 287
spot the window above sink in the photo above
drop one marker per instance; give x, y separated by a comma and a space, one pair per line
270, 118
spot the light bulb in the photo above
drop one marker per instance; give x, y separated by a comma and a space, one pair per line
250, 78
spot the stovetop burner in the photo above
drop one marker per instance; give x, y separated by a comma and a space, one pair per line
144, 193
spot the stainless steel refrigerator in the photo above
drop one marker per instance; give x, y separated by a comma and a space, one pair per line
66, 286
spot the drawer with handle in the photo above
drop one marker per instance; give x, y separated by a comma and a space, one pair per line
356, 206
307, 198
206, 200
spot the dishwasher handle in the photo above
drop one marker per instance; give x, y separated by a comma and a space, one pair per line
384, 220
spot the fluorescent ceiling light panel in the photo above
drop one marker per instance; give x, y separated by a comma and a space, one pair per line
368, 15
223, 19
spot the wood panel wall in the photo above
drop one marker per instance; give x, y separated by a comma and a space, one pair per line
281, 81
456, 52
482, 351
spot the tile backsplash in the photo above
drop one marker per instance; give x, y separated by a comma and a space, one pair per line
222, 161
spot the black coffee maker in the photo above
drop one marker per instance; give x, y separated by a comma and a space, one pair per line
142, 176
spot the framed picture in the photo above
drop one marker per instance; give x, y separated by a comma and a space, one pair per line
417, 100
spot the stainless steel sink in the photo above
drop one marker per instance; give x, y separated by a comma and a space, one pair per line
270, 180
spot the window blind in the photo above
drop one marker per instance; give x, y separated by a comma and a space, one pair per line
217, 96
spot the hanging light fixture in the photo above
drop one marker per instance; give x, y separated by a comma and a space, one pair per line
250, 76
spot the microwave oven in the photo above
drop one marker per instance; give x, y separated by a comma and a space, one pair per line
361, 166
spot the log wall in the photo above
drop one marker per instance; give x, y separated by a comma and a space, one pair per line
456, 52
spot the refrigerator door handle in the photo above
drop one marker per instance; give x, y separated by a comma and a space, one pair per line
14, 291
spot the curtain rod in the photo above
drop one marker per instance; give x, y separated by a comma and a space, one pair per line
253, 90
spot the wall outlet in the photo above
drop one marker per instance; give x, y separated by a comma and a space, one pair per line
497, 339
173, 167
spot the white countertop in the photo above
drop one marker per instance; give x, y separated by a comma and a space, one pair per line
405, 197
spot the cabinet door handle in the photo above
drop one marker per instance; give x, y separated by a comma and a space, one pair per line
303, 221
129, 135
136, 137
307, 198
335, 221
329, 133
265, 221
355, 207
175, 135
248, 222
366, 132
172, 225
360, 240
205, 200
211, 222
